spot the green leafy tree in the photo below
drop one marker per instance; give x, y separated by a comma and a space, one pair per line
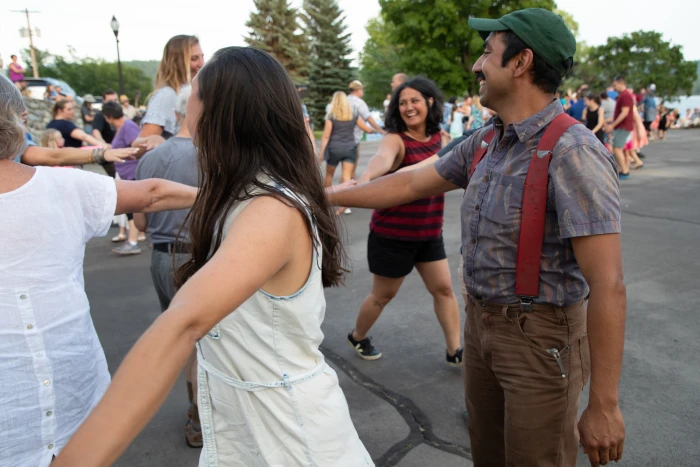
436, 41
696, 88
273, 27
330, 69
643, 57
43, 59
379, 61
91, 76
149, 67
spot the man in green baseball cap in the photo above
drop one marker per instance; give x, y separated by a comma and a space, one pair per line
535, 330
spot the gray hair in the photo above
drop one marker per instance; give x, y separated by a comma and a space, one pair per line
12, 139
182, 98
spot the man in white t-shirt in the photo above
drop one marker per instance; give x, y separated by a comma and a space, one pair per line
360, 109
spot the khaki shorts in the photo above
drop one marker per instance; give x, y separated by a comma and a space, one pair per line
620, 138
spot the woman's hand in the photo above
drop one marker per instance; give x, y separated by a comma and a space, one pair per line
148, 142
120, 155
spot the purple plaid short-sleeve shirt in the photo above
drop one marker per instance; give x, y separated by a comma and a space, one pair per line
583, 199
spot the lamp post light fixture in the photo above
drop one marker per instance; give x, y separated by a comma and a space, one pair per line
115, 30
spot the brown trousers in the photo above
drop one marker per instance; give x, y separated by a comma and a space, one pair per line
523, 377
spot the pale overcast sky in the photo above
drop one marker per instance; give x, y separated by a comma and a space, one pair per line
147, 25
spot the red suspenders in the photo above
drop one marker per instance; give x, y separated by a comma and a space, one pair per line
481, 152
527, 269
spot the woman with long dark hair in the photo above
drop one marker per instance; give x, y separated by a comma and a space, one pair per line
408, 236
264, 244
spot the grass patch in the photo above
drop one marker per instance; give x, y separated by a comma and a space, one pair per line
318, 134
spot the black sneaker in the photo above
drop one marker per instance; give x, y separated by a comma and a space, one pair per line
364, 348
456, 359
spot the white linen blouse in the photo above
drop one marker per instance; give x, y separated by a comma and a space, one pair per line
53, 370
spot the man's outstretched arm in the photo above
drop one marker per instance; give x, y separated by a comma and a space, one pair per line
391, 190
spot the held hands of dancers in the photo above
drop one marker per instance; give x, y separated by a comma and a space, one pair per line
120, 155
148, 142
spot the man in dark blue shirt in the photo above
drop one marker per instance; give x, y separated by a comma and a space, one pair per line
577, 106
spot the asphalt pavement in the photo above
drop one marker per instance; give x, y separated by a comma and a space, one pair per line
407, 406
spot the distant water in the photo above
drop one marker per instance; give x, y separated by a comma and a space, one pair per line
684, 103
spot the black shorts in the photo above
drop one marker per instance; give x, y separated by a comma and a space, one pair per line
396, 258
647, 126
336, 156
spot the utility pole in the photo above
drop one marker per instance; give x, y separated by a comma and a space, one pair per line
35, 68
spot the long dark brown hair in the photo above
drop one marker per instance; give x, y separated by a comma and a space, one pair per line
252, 124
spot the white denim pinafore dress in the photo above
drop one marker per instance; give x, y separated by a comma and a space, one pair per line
266, 395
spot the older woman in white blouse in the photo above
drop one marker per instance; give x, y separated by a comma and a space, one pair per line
52, 367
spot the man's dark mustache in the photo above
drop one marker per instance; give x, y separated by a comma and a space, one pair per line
480, 75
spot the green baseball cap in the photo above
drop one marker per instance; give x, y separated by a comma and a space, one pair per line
543, 31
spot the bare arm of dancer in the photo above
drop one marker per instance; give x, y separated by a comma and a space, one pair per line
601, 426
429, 161
388, 158
374, 124
258, 243
153, 195
391, 190
35, 155
363, 126
623, 114
327, 130
140, 221
91, 140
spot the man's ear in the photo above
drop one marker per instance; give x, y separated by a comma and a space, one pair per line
523, 62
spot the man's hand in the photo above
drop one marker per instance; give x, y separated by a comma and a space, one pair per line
602, 434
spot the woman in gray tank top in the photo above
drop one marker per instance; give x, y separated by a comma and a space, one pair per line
338, 143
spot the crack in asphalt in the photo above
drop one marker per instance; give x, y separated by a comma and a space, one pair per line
421, 430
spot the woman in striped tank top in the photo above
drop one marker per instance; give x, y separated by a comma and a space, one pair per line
409, 235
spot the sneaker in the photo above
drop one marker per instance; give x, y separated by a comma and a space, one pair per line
364, 348
624, 176
127, 249
456, 359
347, 211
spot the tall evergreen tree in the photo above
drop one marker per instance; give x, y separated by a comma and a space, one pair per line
330, 68
274, 28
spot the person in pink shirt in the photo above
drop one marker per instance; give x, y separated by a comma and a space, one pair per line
16, 73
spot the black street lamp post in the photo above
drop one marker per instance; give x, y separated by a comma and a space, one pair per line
115, 30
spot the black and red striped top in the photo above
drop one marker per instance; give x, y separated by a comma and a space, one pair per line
419, 220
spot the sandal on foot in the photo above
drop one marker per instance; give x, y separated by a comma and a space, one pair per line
119, 238
193, 436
